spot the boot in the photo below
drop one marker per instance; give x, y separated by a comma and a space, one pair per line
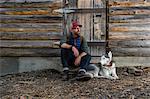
83, 76
65, 75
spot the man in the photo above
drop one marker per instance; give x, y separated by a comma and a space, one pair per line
74, 52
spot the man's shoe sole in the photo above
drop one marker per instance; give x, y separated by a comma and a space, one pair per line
84, 78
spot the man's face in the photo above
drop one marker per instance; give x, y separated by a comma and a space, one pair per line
76, 30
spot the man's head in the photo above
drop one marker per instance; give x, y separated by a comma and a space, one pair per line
76, 27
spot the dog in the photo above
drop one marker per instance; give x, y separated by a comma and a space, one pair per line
106, 68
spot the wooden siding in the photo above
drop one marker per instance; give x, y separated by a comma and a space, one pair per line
30, 27
129, 32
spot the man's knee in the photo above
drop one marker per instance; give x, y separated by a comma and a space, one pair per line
87, 57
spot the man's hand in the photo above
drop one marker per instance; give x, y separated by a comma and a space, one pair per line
75, 51
77, 61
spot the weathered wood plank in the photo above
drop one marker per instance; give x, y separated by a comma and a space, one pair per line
31, 12
31, 4
129, 29
20, 52
30, 19
129, 33
30, 30
31, 25
30, 36
129, 36
129, 43
129, 17
134, 24
28, 44
5, 1
141, 52
128, 12
131, 21
130, 8
4, 10
128, 4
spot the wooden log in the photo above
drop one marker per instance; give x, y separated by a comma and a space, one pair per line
28, 44
30, 36
30, 19
128, 4
130, 8
134, 24
29, 11
129, 17
19, 52
31, 4
4, 10
32, 25
131, 21
129, 33
5, 1
128, 12
129, 43
129, 36
30, 16
30, 30
129, 29
141, 52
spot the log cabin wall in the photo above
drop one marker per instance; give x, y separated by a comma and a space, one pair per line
129, 28
29, 27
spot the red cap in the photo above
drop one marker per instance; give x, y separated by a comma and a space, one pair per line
75, 24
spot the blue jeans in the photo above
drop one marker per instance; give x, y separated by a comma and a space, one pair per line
68, 59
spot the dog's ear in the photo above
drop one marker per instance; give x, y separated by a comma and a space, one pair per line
110, 55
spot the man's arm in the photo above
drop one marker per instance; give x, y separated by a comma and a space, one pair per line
65, 45
84, 46
82, 54
74, 49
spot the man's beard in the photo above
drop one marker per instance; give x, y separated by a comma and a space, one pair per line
77, 33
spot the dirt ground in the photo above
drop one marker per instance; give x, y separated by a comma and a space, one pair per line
47, 84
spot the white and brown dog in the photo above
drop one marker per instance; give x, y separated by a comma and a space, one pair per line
106, 69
